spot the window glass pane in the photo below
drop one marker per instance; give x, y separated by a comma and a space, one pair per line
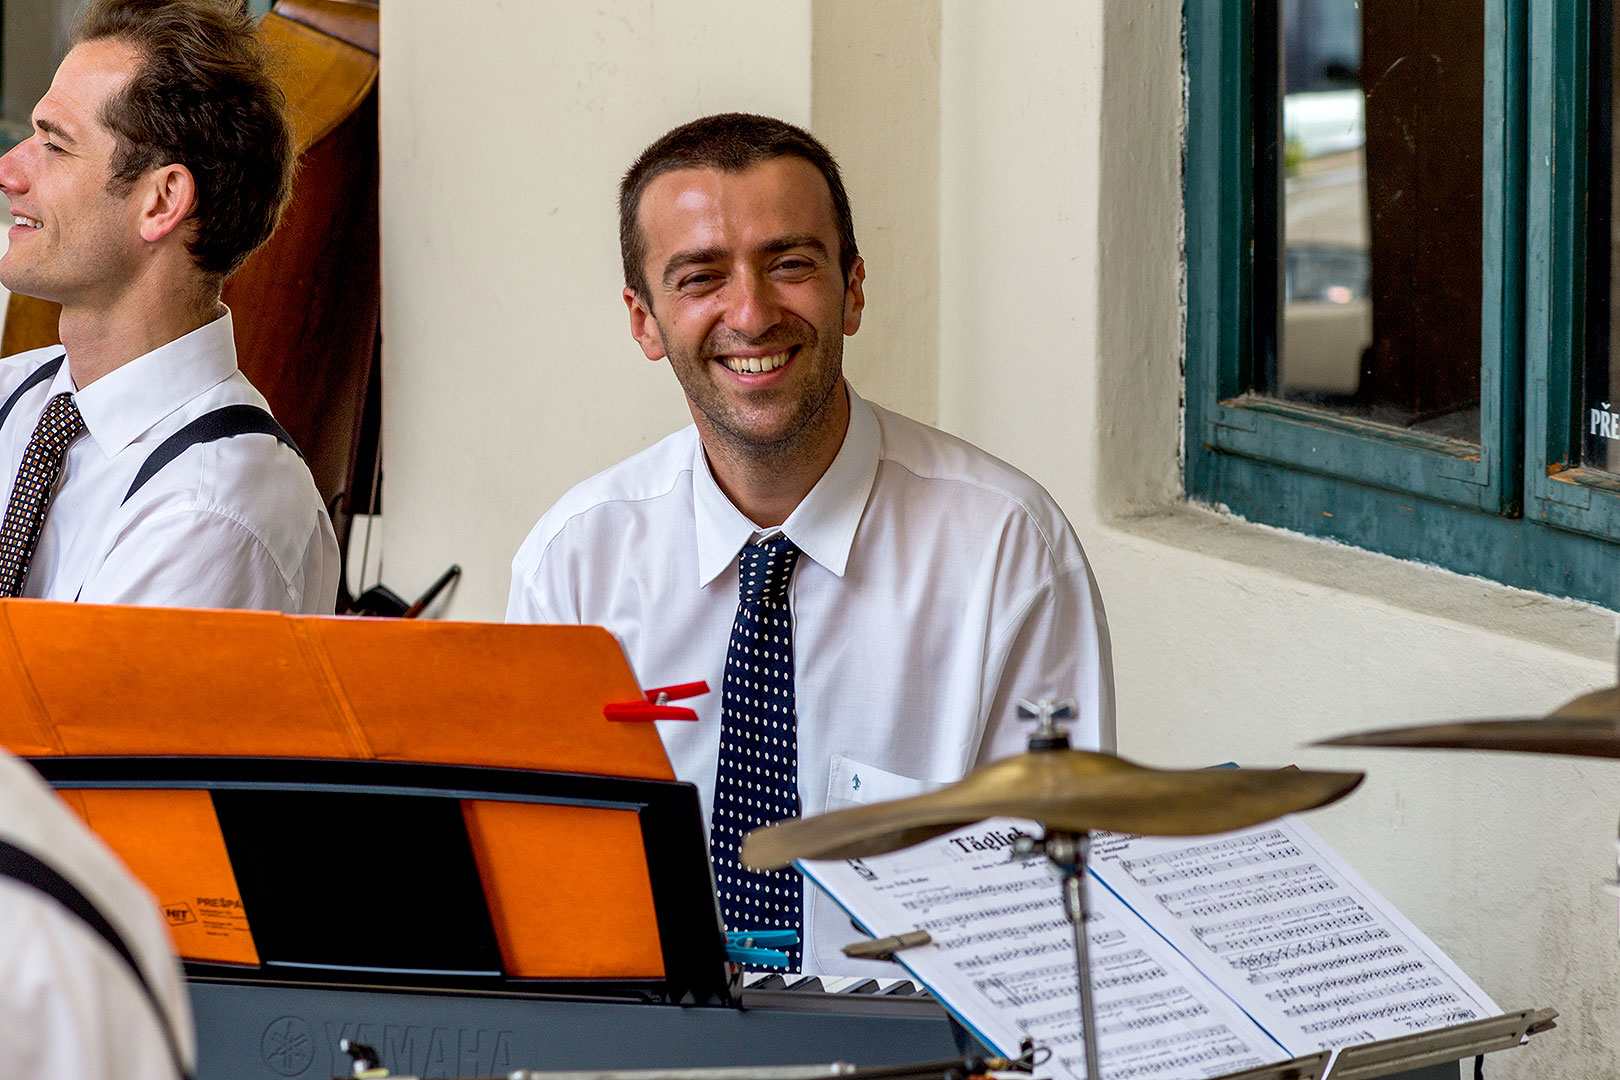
33, 39
35, 35
1374, 211
1600, 417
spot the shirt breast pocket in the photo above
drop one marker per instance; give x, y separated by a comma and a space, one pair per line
853, 783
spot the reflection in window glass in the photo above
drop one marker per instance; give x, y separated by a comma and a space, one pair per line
35, 40
1378, 211
1600, 418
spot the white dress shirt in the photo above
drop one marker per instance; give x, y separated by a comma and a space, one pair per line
937, 586
69, 1005
235, 523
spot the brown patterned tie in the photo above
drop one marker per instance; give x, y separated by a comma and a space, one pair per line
31, 494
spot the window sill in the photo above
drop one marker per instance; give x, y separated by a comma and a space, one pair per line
1578, 629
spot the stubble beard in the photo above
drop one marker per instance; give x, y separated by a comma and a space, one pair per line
735, 436
52, 276
19, 277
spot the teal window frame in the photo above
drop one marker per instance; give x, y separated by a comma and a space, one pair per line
1560, 492
1511, 508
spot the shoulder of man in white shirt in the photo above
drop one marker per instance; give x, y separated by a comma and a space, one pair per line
931, 453
18, 366
68, 1002
646, 474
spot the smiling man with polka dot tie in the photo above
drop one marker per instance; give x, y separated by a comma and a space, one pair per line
872, 596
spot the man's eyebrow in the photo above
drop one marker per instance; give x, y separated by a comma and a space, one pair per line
682, 259
55, 131
697, 257
788, 243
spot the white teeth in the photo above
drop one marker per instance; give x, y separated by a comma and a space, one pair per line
20, 220
753, 365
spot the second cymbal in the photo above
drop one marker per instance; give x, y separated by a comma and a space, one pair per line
1587, 726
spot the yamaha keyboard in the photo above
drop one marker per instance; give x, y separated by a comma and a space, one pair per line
249, 1031
260, 1032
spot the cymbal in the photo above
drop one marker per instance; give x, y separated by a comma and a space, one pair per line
1588, 726
1069, 790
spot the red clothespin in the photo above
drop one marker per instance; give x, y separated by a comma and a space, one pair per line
657, 706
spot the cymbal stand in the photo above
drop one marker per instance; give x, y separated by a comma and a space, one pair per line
1067, 852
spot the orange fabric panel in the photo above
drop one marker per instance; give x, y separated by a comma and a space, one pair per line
24, 725
172, 842
74, 797
568, 890
123, 680
527, 697
89, 679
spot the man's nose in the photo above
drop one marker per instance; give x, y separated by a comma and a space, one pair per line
753, 308
13, 176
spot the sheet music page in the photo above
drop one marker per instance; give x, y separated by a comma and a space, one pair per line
1292, 932
1002, 959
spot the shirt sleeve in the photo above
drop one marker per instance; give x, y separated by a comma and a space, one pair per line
543, 588
1056, 646
522, 605
207, 559
67, 1007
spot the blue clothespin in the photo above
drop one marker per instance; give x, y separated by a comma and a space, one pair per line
760, 948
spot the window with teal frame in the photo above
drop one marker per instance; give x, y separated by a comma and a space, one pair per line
1400, 219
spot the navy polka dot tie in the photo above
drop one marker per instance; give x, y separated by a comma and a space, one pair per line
31, 493
758, 778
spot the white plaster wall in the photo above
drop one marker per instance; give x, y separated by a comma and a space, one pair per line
875, 95
1019, 133
1049, 262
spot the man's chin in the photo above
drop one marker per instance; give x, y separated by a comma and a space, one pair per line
13, 277
23, 284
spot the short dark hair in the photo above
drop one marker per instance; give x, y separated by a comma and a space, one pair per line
204, 98
730, 142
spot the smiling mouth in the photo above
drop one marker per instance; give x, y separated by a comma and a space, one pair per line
756, 365
28, 221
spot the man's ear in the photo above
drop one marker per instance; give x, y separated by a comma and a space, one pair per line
169, 194
644, 326
854, 296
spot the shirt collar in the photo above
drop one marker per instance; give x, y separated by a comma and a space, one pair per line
123, 404
822, 526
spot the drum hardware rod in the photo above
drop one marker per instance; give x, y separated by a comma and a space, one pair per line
1068, 852
838, 1070
952, 1067
729, 1072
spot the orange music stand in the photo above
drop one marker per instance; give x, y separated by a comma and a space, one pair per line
407, 800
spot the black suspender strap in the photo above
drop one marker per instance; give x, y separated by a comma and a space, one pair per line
222, 423
44, 373
19, 865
